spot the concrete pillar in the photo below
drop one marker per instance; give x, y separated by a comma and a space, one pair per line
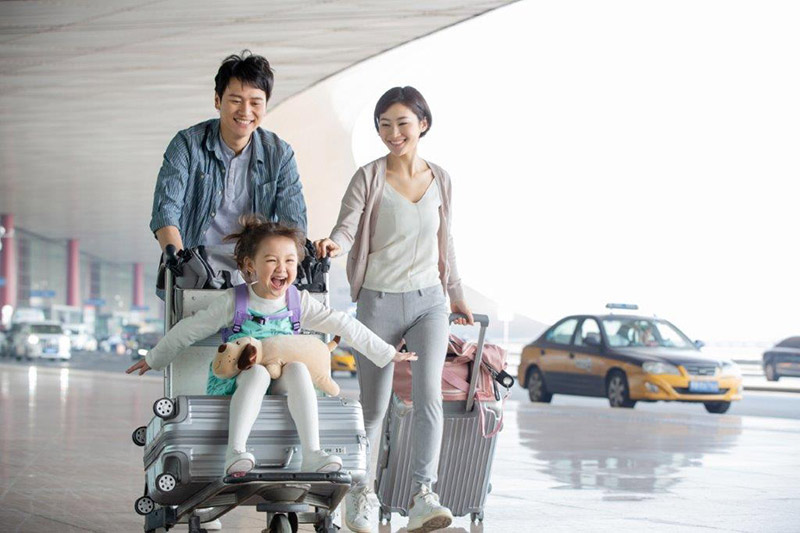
8, 263
138, 285
73, 273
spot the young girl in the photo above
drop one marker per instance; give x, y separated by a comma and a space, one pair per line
269, 253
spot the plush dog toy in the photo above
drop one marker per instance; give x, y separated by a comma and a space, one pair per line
274, 352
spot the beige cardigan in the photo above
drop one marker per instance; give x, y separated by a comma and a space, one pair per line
360, 206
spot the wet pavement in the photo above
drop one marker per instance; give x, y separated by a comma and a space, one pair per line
67, 462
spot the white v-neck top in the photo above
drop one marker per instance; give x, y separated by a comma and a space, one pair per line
404, 250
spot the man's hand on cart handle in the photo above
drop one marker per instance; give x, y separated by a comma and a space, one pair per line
404, 356
326, 247
460, 306
141, 366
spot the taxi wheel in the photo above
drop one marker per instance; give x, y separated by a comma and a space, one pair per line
617, 390
537, 391
717, 407
771, 372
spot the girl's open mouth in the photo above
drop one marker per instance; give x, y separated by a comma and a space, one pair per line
277, 283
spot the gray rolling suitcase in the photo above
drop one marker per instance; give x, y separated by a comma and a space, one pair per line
185, 443
465, 461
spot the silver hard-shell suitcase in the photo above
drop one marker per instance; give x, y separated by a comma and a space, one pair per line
465, 461
185, 444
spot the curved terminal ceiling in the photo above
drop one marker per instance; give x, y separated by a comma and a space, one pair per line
91, 93
597, 157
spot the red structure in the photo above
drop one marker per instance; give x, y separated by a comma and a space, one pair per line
73, 273
8, 263
138, 285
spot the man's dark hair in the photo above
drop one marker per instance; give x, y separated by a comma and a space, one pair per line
248, 68
409, 97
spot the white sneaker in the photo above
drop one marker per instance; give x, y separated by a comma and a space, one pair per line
358, 509
319, 461
426, 513
238, 463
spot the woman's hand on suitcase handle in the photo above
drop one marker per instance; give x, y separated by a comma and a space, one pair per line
399, 357
141, 366
327, 247
460, 306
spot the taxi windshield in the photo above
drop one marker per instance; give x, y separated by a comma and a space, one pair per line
644, 332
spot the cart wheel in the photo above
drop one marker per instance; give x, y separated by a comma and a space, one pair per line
280, 524
139, 436
476, 517
166, 482
144, 505
384, 515
164, 408
325, 525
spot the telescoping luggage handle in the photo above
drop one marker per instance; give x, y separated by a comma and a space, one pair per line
171, 260
483, 320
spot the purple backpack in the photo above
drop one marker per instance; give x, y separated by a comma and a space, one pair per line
240, 314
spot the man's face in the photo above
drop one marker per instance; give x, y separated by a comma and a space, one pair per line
241, 110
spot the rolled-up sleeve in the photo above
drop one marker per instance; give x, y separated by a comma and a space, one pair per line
290, 205
350, 212
170, 191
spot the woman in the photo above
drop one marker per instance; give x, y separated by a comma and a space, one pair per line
395, 222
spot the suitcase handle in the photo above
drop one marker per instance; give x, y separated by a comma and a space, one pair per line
287, 458
483, 320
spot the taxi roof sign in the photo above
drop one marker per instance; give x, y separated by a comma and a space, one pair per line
630, 307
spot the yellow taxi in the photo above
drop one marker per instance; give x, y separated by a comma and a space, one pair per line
626, 358
343, 360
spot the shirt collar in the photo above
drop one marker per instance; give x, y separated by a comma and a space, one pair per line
213, 142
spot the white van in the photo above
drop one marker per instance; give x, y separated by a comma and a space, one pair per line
42, 339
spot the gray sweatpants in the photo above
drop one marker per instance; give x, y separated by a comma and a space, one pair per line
421, 318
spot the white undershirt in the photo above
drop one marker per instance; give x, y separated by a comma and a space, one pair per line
404, 250
313, 316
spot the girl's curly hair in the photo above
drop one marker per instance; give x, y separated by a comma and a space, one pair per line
254, 230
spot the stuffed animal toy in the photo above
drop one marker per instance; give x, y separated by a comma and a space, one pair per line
274, 352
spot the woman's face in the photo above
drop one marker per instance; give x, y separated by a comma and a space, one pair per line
399, 129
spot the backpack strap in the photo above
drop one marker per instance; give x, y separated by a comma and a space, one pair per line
293, 303
240, 314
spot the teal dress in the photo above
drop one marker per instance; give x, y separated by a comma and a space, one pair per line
225, 387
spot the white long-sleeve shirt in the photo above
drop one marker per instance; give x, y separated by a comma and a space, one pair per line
313, 316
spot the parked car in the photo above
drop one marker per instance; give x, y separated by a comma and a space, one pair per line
6, 348
343, 360
45, 339
626, 358
783, 359
80, 338
143, 343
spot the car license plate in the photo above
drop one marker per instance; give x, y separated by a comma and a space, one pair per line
703, 386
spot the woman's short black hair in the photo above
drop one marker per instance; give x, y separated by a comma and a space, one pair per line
248, 68
409, 97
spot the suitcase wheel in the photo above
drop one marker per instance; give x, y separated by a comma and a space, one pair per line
164, 408
139, 436
384, 515
476, 517
166, 482
144, 505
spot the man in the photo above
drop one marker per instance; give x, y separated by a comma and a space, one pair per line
217, 170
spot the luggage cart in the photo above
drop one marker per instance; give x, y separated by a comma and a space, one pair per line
466, 456
184, 445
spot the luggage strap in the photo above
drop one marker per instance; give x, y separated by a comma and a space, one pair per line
450, 377
240, 314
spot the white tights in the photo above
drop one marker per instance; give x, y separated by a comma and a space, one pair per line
252, 384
